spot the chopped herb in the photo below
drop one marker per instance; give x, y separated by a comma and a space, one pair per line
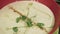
18, 19
15, 29
30, 4
40, 25
23, 17
29, 23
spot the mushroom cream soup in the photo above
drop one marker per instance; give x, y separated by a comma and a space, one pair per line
26, 17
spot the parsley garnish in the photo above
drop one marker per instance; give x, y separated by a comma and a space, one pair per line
15, 29
30, 4
23, 17
29, 23
40, 25
18, 19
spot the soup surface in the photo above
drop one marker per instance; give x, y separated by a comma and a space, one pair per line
26, 17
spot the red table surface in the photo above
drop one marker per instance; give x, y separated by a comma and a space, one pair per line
49, 3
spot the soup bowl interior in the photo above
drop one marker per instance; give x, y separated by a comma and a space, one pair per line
49, 3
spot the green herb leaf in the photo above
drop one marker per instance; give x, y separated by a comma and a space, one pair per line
40, 25
18, 19
29, 23
30, 4
15, 29
23, 17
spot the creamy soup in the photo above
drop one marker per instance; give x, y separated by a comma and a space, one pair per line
26, 17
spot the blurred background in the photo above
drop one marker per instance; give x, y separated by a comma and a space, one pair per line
58, 1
